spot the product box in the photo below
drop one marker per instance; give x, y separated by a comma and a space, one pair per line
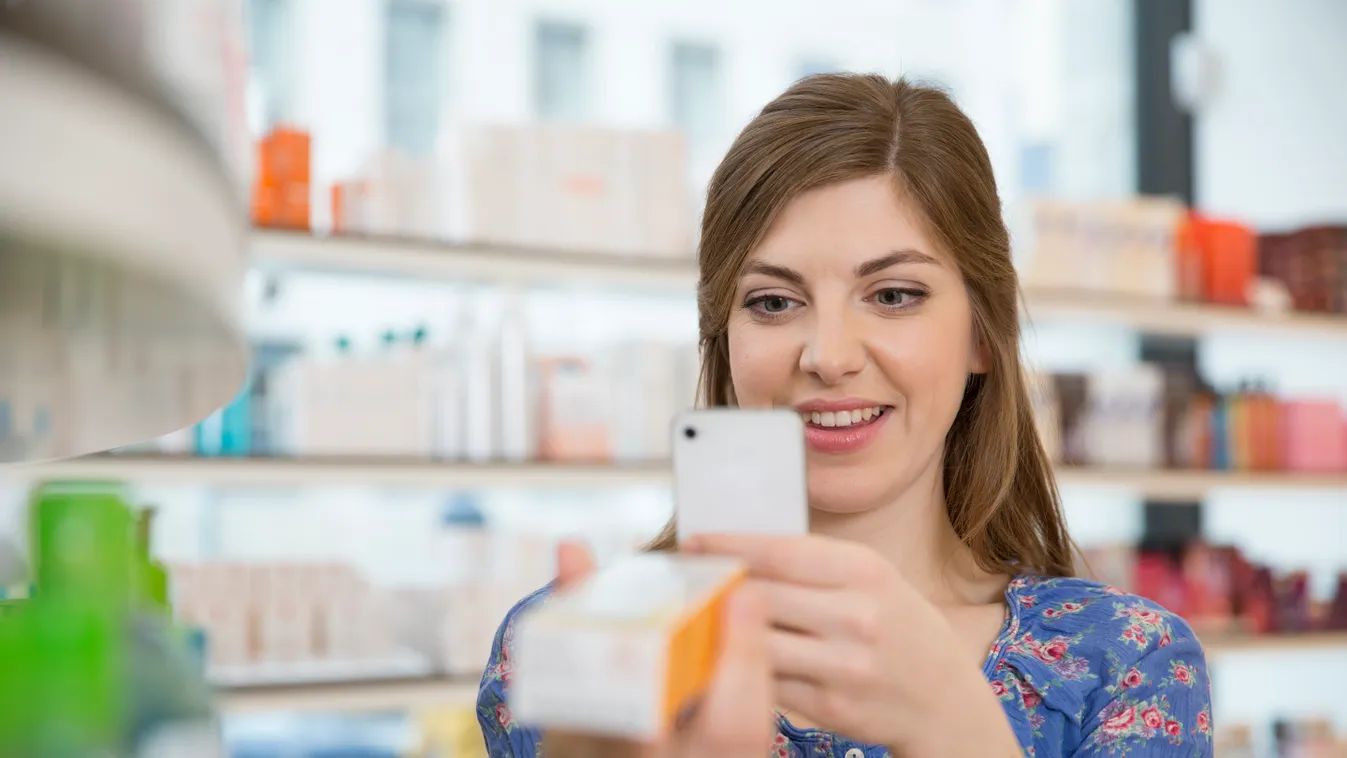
281, 183
559, 186
575, 412
353, 406
626, 651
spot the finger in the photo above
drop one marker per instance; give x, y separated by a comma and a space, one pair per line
574, 563
814, 659
814, 610
807, 559
812, 701
735, 717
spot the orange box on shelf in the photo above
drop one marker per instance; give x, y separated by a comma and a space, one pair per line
1229, 260
281, 186
625, 652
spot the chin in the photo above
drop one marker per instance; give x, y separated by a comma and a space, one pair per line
844, 492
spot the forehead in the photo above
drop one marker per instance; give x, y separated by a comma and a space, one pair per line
845, 224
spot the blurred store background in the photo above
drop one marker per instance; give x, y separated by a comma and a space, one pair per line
471, 312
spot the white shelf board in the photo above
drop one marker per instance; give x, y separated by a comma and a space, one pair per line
413, 259
1277, 644
1194, 485
486, 264
395, 474
1174, 318
412, 694
319, 472
365, 696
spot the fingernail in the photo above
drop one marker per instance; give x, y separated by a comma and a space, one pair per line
692, 545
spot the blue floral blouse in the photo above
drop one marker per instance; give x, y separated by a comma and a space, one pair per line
1081, 670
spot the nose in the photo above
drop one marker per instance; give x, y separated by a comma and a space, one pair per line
834, 349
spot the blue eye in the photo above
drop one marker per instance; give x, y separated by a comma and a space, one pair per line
898, 298
770, 306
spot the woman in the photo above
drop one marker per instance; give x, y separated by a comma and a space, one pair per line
855, 266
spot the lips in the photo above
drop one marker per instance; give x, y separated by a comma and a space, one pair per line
843, 426
841, 419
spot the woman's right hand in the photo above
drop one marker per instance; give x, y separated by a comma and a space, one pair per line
734, 719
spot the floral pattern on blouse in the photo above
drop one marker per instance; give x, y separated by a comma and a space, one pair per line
1082, 670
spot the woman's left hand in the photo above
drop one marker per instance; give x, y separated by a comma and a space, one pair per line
855, 647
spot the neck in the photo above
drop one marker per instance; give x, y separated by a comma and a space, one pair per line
913, 532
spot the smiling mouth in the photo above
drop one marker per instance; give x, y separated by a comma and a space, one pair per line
843, 419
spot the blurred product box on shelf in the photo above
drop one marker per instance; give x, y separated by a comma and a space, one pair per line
1301, 738
281, 182
575, 412
1154, 248
539, 186
1218, 591
1311, 265
449, 733
1151, 417
259, 616
1124, 248
480, 393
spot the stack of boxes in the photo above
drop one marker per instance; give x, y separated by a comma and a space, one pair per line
1147, 417
539, 186
263, 615
1154, 248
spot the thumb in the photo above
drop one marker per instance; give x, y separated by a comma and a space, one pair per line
735, 716
574, 563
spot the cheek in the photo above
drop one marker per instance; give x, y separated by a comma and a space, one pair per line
761, 364
930, 366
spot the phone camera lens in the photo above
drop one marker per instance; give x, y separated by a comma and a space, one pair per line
690, 433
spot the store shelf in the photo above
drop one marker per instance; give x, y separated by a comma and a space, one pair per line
358, 696
412, 259
1317, 642
408, 694
1176, 319
320, 472
398, 474
1194, 485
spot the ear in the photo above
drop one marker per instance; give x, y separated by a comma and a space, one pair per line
979, 357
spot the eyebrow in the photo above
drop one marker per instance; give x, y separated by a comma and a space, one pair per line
868, 268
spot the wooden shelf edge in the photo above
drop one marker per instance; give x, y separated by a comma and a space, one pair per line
494, 264
354, 696
411, 474
1224, 645
432, 692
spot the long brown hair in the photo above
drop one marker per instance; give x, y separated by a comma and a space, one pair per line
1000, 490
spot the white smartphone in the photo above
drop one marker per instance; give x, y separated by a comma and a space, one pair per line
739, 471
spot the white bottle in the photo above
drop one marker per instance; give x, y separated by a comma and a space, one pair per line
515, 399
477, 352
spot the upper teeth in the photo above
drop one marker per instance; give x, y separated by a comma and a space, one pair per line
842, 418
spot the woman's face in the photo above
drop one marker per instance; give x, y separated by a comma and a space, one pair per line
848, 314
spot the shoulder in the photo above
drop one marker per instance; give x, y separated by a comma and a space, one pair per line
1123, 671
1079, 644
1098, 617
503, 735
500, 668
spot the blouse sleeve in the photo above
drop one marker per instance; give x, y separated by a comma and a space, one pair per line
505, 738
1157, 705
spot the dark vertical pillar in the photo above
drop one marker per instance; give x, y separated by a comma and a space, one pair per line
1165, 166
1164, 132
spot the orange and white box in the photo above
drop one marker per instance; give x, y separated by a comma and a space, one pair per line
626, 651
